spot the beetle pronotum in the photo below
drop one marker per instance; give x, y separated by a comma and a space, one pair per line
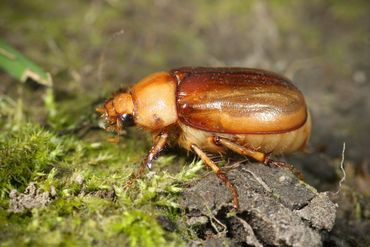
249, 111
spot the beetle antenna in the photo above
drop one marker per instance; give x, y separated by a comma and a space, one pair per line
104, 51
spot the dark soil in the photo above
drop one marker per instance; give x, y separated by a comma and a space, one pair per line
276, 208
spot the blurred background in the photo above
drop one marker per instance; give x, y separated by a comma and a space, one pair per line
93, 48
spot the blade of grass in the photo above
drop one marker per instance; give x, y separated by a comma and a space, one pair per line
20, 67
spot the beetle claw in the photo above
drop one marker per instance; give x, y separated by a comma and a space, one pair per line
149, 165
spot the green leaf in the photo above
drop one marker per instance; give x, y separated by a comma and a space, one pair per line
20, 67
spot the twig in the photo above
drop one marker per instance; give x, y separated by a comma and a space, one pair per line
259, 180
342, 169
213, 218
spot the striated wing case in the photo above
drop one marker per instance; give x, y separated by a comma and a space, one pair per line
238, 100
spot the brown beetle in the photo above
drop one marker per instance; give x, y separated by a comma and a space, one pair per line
249, 111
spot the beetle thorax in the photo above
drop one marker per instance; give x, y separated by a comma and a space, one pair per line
154, 100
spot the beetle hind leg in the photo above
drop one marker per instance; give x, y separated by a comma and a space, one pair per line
259, 156
283, 164
219, 173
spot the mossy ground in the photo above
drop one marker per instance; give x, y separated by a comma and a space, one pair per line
91, 205
51, 136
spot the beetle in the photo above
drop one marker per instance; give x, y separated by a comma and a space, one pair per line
252, 112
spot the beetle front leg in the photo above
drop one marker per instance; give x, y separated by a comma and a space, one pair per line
219, 174
155, 150
153, 153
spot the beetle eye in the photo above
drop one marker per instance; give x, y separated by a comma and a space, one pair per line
127, 120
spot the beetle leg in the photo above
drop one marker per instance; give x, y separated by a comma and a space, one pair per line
220, 174
259, 156
283, 164
153, 153
156, 149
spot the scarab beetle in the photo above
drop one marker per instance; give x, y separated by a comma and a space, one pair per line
249, 111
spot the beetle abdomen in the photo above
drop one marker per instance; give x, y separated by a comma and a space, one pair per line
238, 101
279, 143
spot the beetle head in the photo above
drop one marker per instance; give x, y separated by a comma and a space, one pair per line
118, 112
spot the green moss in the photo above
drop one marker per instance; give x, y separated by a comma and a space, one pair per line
25, 155
142, 229
91, 205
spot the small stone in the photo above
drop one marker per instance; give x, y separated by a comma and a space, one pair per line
282, 179
196, 221
79, 179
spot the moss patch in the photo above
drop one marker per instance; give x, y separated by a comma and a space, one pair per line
89, 203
